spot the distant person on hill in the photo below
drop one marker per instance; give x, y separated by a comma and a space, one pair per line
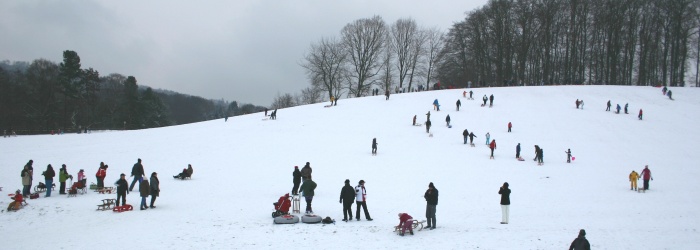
374, 146
471, 137
485, 100
296, 179
431, 197
122, 189
663, 91
640, 114
510, 125
447, 119
436, 105
580, 243
537, 153
459, 103
414, 120
581, 103
488, 138
464, 94
608, 109
26, 180
347, 198
504, 191
540, 157
670, 95
465, 134
470, 94
618, 109
568, 156
491, 100
577, 103
265, 112
634, 176
517, 151
492, 146
181, 175
306, 171
387, 94
427, 116
427, 126
626, 106
646, 175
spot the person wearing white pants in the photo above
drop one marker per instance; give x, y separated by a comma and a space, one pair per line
505, 202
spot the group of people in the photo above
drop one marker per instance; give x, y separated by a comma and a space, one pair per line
146, 188
618, 108
646, 175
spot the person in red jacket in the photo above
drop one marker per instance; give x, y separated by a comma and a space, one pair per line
640, 114
492, 146
405, 222
646, 175
101, 174
510, 125
15, 205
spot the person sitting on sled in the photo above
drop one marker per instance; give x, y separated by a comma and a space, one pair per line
15, 205
405, 222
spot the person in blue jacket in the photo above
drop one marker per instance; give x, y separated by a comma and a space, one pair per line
436, 105
618, 108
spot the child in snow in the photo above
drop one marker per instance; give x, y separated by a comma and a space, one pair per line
405, 222
640, 114
634, 176
492, 146
471, 137
580, 242
568, 156
485, 99
448, 120
618, 109
15, 205
436, 105
510, 125
488, 138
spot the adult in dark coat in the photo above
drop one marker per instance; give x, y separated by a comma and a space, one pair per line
505, 202
145, 191
431, 197
427, 126
491, 100
580, 243
155, 188
459, 103
306, 171
471, 137
517, 151
122, 189
307, 189
296, 178
374, 146
48, 178
537, 153
347, 198
465, 134
138, 173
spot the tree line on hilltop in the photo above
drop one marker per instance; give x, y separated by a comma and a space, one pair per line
511, 43
42, 96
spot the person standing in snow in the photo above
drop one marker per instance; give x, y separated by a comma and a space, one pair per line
580, 243
510, 125
306, 171
646, 175
431, 197
634, 176
154, 188
427, 126
448, 120
138, 174
296, 179
361, 200
465, 134
491, 100
568, 156
505, 202
577, 103
101, 174
387, 94
670, 95
492, 146
307, 190
374, 146
436, 105
488, 138
122, 189
427, 116
640, 114
618, 109
537, 153
626, 106
347, 198
540, 157
471, 137
485, 100
663, 91
48, 178
470, 94
144, 191
459, 103
517, 151
414, 120
581, 103
608, 109
62, 177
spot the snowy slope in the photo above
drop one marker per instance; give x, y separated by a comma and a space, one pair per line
242, 166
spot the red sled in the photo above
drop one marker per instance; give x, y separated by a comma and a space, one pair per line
123, 208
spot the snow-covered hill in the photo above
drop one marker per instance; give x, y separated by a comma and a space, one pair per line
242, 166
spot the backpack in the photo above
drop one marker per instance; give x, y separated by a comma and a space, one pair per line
327, 220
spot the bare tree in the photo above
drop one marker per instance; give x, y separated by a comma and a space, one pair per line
325, 66
310, 95
364, 40
401, 42
283, 101
434, 43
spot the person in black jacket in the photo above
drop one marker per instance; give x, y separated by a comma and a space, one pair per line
48, 177
374, 146
517, 151
431, 197
347, 197
427, 126
580, 243
138, 173
296, 178
122, 189
471, 137
155, 188
466, 135
459, 103
505, 202
306, 171
491, 100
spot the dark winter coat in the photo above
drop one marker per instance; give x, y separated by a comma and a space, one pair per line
505, 195
144, 188
155, 186
580, 243
347, 194
122, 186
308, 187
448, 118
465, 133
517, 149
137, 170
49, 173
306, 171
374, 143
296, 176
471, 136
428, 123
431, 197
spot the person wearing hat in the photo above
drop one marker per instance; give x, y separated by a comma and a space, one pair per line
361, 200
81, 177
48, 178
122, 189
138, 174
155, 188
15, 205
347, 197
26, 180
306, 171
405, 222
580, 243
505, 202
307, 189
296, 179
101, 174
62, 177
646, 175
431, 197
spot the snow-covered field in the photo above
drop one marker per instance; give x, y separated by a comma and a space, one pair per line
242, 166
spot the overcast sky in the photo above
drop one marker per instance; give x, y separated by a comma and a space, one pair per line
240, 50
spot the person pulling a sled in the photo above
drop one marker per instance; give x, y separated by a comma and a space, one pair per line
405, 223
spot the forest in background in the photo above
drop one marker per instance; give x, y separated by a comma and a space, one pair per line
43, 96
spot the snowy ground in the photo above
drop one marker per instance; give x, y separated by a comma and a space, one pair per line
242, 166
